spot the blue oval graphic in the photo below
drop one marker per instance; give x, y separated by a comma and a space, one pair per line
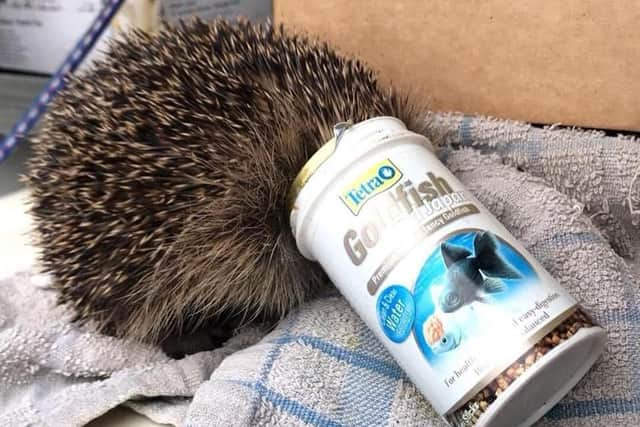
396, 312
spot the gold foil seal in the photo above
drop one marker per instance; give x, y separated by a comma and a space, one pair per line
309, 168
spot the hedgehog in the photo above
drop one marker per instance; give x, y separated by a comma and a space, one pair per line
159, 176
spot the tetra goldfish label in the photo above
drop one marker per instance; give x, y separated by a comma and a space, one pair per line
448, 290
378, 178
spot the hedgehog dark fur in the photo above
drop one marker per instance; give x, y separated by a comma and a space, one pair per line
159, 177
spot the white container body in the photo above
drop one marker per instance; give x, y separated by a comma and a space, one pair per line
448, 290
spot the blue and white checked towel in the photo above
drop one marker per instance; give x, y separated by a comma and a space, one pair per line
571, 197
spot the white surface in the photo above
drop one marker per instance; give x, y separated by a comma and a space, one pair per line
16, 93
255, 10
15, 246
36, 37
16, 251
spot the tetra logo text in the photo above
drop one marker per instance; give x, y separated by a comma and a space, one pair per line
375, 180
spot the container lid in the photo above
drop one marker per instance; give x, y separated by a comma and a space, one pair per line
361, 131
535, 392
309, 168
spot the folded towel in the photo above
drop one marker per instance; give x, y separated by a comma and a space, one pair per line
601, 172
321, 365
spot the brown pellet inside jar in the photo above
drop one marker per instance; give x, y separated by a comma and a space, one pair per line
469, 413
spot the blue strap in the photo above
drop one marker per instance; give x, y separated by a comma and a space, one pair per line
69, 65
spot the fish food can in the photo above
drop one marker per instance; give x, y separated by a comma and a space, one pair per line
479, 326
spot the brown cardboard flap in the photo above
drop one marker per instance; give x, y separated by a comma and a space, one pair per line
573, 62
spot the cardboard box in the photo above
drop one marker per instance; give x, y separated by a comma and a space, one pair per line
574, 62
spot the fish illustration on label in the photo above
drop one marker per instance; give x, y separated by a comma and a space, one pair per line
442, 335
472, 277
466, 288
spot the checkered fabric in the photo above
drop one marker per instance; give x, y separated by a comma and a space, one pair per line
571, 197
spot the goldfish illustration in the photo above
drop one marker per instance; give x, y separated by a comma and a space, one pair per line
441, 337
473, 276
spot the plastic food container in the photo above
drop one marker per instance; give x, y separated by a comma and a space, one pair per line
485, 333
